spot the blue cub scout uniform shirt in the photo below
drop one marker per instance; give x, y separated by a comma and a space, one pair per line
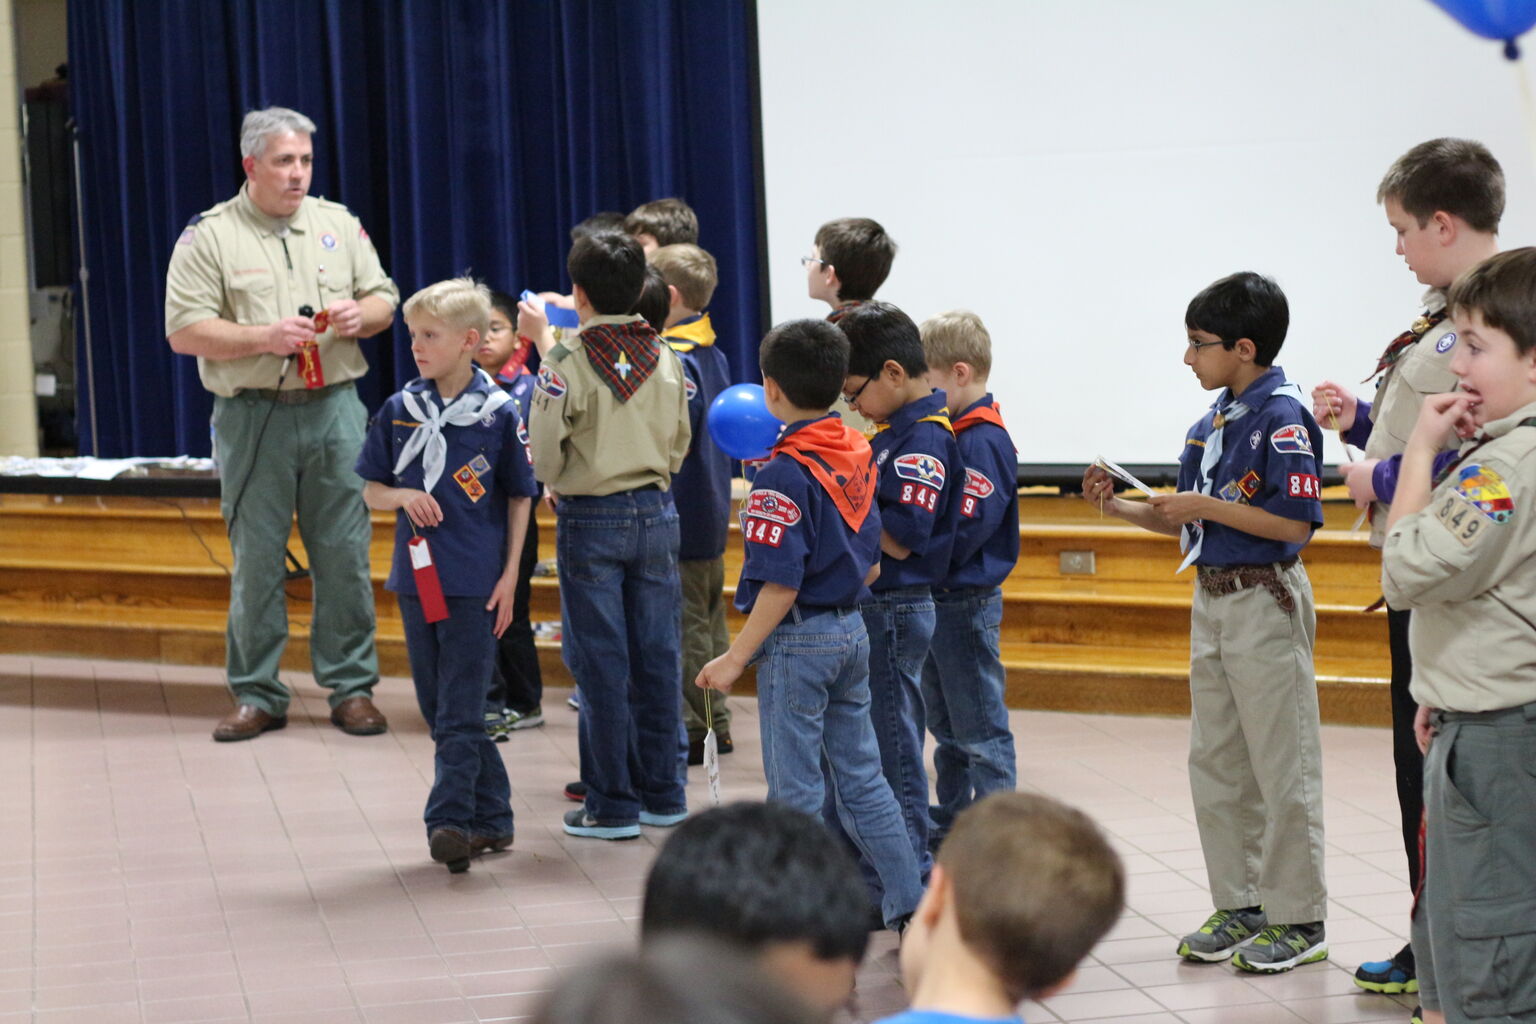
701, 489
794, 535
921, 475
486, 464
987, 530
1271, 458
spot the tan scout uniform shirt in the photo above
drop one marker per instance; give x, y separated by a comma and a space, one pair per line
231, 263
585, 441
1424, 370
1466, 564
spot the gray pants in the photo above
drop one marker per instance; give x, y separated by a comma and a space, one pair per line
304, 466
1475, 931
1255, 757
704, 639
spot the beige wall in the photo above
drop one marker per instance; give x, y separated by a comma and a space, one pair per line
18, 408
41, 45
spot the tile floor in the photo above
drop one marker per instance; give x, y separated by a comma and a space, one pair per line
150, 875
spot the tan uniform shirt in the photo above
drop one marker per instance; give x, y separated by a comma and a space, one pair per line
585, 441
1424, 370
1466, 565
235, 263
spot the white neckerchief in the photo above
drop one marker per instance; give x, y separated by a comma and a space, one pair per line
427, 439
1192, 536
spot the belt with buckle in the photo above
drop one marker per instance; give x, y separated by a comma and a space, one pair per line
1221, 580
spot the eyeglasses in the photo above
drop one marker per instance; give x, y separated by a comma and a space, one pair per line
806, 261
1198, 345
850, 399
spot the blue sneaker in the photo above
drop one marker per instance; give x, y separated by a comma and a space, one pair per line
663, 820
579, 823
1389, 977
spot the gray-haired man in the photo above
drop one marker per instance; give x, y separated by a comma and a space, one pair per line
287, 421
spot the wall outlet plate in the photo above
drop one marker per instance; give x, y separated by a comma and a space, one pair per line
1077, 563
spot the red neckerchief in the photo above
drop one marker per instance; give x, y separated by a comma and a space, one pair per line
840, 460
514, 366
623, 355
981, 414
843, 310
1403, 342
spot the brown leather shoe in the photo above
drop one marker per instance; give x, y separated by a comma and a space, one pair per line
488, 844
246, 722
356, 716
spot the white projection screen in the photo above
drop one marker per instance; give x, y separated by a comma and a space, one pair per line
1076, 170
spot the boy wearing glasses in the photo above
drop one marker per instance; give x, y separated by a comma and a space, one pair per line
1247, 503
921, 476
849, 261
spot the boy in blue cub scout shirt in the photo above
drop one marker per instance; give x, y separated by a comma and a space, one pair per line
1247, 503
444, 453
812, 539
921, 477
963, 677
701, 490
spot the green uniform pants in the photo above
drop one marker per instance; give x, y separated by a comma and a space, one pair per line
304, 465
704, 639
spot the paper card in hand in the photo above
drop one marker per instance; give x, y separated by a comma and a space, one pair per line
429, 589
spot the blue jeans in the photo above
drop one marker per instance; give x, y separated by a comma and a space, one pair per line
963, 695
900, 623
813, 713
450, 662
621, 612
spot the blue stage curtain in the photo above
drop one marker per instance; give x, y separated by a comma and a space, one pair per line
466, 134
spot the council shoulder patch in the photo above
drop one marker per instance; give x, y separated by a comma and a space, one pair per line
550, 381
1291, 439
690, 389
977, 485
774, 506
1487, 492
922, 467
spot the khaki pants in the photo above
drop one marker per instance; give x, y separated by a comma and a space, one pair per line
704, 639
1255, 759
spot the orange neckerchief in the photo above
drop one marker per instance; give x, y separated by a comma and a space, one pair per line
981, 414
840, 460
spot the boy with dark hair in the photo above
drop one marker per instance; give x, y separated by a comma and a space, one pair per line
772, 880
602, 222
609, 428
663, 222
444, 454
849, 261
1460, 548
812, 538
702, 490
1247, 503
516, 694
655, 302
1022, 890
921, 474
1443, 199
963, 678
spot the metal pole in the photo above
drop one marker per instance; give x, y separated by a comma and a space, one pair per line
85, 288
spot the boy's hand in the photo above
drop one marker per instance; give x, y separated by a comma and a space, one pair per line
1183, 507
1334, 406
1423, 729
720, 673
346, 317
1099, 487
532, 323
421, 507
501, 601
1359, 477
1441, 414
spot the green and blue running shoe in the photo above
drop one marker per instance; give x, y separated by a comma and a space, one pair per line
1280, 947
1389, 977
1221, 935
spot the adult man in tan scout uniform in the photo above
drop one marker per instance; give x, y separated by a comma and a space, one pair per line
287, 421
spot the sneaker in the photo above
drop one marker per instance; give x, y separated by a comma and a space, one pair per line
1417, 1017
576, 791
1389, 977
579, 823
1221, 934
496, 726
524, 719
573, 701
1280, 947
451, 847
663, 820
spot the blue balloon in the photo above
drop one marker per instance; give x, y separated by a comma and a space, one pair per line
1494, 19
740, 423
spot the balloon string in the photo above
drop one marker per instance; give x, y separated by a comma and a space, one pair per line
1528, 102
